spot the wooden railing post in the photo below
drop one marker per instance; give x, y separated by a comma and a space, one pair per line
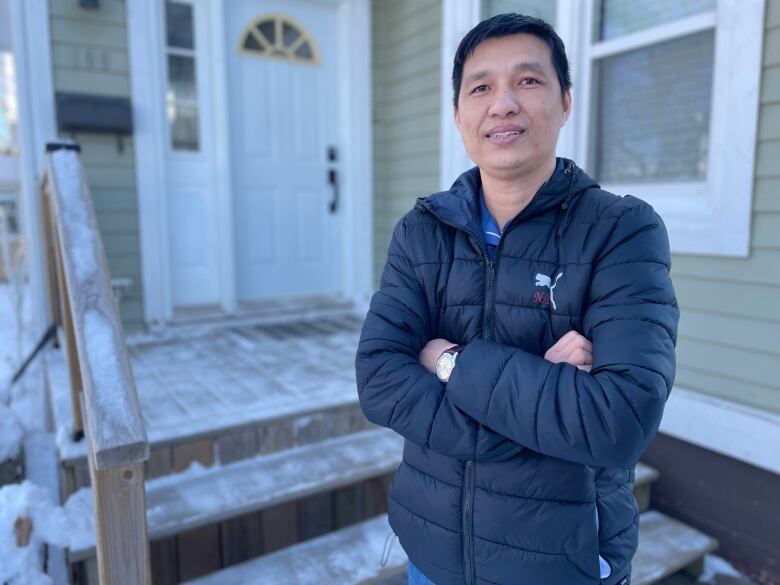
105, 402
120, 522
60, 307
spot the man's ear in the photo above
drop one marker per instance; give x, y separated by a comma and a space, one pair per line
567, 102
456, 113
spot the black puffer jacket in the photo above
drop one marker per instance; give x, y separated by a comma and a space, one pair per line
508, 468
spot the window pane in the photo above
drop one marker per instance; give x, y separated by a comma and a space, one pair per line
178, 18
304, 51
181, 78
289, 34
8, 109
8, 208
620, 17
544, 9
184, 127
653, 119
268, 28
5, 25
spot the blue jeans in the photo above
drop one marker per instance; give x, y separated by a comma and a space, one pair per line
416, 577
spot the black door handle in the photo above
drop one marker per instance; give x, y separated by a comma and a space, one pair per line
333, 179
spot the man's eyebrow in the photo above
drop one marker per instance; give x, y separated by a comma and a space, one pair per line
532, 65
524, 66
476, 76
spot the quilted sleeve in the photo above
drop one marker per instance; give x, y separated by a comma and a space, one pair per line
395, 390
607, 417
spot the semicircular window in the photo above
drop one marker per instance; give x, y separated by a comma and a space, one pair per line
278, 37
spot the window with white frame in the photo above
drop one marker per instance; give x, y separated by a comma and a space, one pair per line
666, 98
666, 101
182, 91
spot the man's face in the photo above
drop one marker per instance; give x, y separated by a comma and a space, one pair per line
510, 110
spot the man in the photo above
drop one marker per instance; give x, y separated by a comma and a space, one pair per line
522, 340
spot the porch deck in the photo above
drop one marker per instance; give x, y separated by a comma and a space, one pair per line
192, 383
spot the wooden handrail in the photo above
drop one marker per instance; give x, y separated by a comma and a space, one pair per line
102, 385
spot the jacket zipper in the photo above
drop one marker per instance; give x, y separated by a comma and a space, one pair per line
468, 521
488, 333
468, 466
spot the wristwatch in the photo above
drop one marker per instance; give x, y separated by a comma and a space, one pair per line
446, 362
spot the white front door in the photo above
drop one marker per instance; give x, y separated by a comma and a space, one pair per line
283, 117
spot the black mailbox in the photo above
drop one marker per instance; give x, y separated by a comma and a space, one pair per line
94, 113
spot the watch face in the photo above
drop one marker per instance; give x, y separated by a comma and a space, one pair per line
444, 366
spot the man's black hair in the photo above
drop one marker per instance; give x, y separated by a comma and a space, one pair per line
503, 25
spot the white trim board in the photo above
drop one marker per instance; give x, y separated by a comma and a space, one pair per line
356, 136
738, 431
458, 17
31, 43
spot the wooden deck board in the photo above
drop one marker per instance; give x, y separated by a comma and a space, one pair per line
351, 556
665, 547
226, 378
175, 504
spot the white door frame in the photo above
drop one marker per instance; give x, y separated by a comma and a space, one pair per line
145, 34
31, 45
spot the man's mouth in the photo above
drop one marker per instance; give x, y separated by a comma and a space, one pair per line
505, 136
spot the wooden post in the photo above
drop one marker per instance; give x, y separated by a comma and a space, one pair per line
48, 247
120, 524
22, 529
105, 401
71, 351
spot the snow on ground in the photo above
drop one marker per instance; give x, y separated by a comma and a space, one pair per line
63, 526
25, 410
717, 571
10, 434
23, 422
715, 566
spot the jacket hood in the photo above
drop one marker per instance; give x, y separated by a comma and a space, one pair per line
460, 206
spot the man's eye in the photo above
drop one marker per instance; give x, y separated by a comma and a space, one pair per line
529, 81
479, 89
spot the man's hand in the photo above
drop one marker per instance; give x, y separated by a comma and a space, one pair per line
431, 352
573, 349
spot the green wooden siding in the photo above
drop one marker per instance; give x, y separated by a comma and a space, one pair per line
90, 55
730, 307
406, 111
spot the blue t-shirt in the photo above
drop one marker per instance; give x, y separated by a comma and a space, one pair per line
489, 225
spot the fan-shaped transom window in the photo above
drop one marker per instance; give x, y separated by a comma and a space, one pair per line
278, 37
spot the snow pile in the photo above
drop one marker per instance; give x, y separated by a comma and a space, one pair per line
15, 417
63, 526
114, 399
75, 214
10, 435
714, 566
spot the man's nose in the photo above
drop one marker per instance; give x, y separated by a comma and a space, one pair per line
504, 104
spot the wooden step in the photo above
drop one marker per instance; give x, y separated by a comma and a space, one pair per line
178, 503
300, 426
667, 546
351, 555
184, 501
644, 476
